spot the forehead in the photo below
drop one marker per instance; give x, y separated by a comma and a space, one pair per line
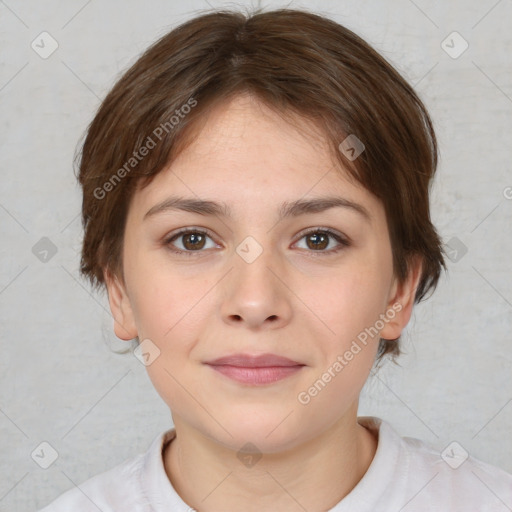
243, 130
246, 153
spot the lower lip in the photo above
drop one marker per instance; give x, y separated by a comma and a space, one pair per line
256, 376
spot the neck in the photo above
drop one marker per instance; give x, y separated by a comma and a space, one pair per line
314, 475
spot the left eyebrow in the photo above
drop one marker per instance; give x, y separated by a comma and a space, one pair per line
287, 209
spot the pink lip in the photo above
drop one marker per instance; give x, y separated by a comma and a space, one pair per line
255, 370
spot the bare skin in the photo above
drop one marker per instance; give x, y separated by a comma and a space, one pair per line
297, 299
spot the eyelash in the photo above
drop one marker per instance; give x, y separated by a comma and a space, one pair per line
344, 243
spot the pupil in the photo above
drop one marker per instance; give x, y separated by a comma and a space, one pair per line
318, 240
193, 240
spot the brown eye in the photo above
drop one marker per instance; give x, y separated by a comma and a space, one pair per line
193, 241
318, 240
188, 242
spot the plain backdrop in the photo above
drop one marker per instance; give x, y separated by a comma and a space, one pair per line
61, 380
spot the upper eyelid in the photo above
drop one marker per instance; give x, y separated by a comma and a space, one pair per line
185, 231
330, 231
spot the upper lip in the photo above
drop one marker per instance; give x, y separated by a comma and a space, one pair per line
248, 361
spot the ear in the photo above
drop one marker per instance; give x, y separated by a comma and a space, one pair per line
401, 301
124, 324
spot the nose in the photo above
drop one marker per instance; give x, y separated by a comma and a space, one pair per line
255, 292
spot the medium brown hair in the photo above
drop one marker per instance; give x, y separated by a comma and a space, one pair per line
297, 63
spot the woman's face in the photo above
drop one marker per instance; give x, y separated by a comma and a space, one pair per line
261, 276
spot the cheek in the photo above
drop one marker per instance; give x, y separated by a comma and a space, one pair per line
351, 300
162, 297
154, 307
164, 308
350, 305
170, 313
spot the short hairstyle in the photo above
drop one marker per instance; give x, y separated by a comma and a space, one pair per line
297, 63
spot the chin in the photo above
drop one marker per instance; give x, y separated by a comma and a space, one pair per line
270, 433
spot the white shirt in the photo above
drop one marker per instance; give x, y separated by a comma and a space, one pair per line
406, 475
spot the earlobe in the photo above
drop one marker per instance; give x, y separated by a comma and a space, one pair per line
124, 325
401, 302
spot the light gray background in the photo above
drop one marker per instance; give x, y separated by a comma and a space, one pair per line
60, 379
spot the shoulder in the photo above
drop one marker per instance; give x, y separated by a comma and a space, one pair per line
415, 476
458, 478
123, 487
107, 491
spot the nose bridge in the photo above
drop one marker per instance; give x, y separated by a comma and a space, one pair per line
252, 263
254, 293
